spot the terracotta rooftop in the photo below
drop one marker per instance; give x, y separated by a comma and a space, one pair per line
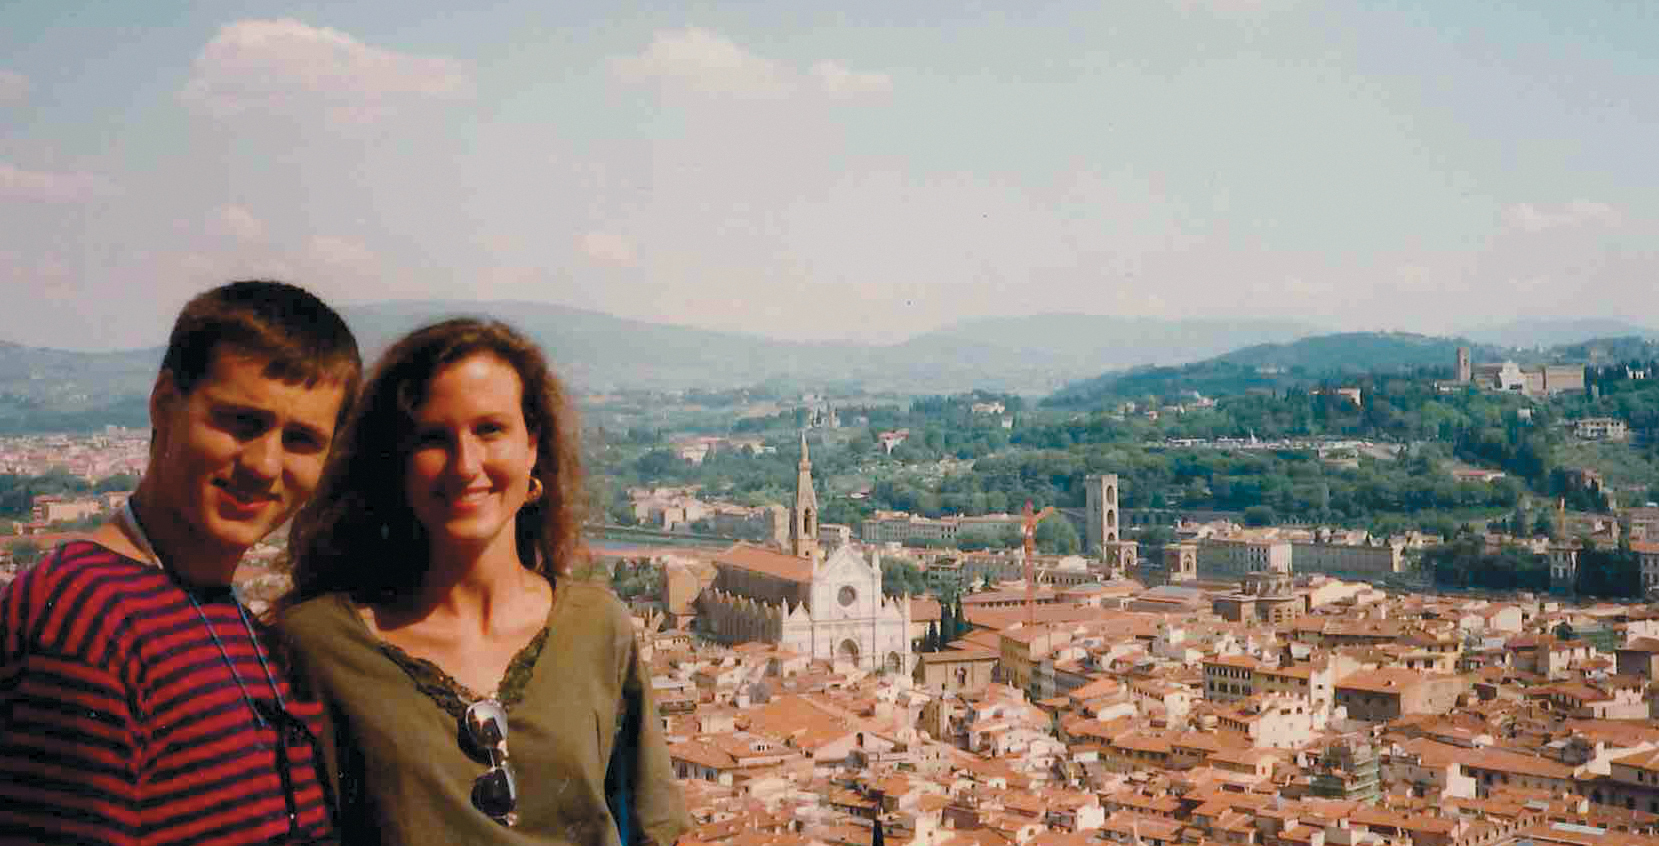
755, 559
1641, 644
1646, 760
1384, 680
1499, 760
924, 610
952, 655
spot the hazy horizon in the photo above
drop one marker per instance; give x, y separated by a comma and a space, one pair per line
1476, 334
863, 173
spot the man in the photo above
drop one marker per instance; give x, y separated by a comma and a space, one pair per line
139, 702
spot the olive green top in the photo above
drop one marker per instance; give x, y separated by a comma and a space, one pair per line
405, 776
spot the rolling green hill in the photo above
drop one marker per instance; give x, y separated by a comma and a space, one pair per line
46, 390
1279, 366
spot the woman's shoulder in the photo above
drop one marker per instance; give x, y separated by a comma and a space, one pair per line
592, 602
318, 619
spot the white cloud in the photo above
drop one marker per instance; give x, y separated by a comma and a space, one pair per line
1532, 218
284, 65
838, 81
240, 223
47, 185
706, 62
608, 248
14, 88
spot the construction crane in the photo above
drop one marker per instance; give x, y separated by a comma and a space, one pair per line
1030, 536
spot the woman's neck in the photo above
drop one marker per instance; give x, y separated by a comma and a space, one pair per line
476, 585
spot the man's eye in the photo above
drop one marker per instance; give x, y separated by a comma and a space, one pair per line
243, 424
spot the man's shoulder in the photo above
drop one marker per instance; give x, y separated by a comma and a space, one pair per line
82, 565
81, 599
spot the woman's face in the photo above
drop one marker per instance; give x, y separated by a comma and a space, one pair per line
469, 469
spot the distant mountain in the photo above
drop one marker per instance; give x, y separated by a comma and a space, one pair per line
1604, 351
601, 351
1276, 366
1357, 352
1028, 353
598, 352
59, 390
1545, 332
1103, 341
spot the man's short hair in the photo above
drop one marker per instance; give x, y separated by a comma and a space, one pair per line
302, 338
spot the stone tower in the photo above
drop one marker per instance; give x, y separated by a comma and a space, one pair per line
1465, 370
1181, 562
803, 524
1101, 519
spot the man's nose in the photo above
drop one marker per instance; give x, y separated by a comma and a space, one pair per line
262, 457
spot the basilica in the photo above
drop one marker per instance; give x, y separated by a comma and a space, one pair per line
823, 606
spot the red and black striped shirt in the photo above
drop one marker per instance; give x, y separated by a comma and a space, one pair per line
122, 723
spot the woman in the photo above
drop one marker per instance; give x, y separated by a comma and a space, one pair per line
478, 696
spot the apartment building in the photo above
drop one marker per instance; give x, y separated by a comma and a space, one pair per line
1387, 693
1356, 559
1232, 556
1601, 429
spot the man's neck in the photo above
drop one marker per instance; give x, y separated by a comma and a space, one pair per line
177, 544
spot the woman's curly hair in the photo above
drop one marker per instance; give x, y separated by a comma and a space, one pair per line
358, 534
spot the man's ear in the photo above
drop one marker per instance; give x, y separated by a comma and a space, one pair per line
165, 396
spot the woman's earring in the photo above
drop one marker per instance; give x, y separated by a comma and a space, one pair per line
535, 490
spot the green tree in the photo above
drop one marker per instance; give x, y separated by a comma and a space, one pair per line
900, 577
930, 643
25, 552
1544, 525
117, 482
659, 464
1057, 536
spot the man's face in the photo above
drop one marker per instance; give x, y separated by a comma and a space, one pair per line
235, 457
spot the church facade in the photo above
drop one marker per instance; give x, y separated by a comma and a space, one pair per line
823, 606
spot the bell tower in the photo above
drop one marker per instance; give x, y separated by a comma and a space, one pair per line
803, 525
1101, 520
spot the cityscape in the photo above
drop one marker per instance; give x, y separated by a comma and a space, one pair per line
1082, 661
1144, 423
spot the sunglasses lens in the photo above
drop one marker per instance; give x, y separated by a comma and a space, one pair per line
487, 721
495, 792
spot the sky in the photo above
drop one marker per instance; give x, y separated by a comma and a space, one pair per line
858, 170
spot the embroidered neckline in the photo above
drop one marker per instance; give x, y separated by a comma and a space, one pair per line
453, 696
